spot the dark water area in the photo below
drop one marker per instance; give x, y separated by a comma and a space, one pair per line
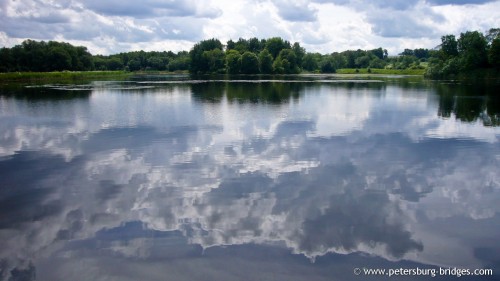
310, 177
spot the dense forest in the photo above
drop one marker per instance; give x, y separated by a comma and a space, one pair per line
55, 56
253, 56
275, 55
471, 51
42, 56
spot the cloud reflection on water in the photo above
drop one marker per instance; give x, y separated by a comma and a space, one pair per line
262, 178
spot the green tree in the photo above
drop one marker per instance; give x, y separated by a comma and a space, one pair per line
350, 58
265, 62
230, 45
179, 63
114, 64
200, 62
379, 53
278, 66
215, 60
404, 62
377, 63
233, 62
157, 63
299, 52
449, 46
32, 55
407, 52
254, 45
339, 60
362, 62
99, 63
134, 64
241, 45
421, 53
288, 61
275, 45
35, 55
492, 34
472, 50
309, 62
75, 62
60, 59
494, 53
249, 63
327, 65
451, 67
85, 61
6, 60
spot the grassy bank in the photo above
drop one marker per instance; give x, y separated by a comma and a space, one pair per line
60, 76
69, 76
381, 71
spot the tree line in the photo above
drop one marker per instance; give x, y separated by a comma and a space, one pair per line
34, 56
45, 56
143, 61
259, 56
244, 56
472, 50
278, 56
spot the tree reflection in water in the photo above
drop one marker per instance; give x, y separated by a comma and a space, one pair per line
214, 178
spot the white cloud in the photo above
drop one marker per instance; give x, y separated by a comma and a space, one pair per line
471, 17
296, 11
320, 25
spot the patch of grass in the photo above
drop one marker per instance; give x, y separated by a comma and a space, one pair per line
381, 71
60, 75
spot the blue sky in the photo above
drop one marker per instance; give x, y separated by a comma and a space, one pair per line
112, 26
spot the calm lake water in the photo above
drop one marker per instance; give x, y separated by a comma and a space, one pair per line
274, 178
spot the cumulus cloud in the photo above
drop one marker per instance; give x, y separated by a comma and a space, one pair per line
395, 19
321, 25
420, 20
152, 8
397, 24
296, 11
459, 2
114, 24
397, 5
403, 5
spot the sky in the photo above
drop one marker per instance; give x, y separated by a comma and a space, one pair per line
325, 26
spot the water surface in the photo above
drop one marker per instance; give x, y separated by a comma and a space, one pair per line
274, 178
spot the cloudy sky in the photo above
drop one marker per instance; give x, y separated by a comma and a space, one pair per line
112, 26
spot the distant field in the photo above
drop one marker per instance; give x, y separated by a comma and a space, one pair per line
381, 71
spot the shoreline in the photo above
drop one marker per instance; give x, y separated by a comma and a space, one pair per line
59, 75
80, 75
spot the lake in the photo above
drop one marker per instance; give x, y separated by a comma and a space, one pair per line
309, 177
